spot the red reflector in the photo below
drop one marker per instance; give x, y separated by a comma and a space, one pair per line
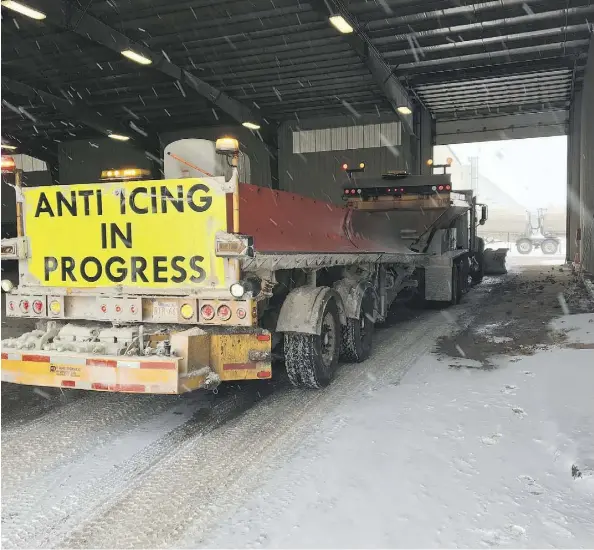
263, 337
68, 383
36, 358
104, 308
239, 366
118, 309
207, 312
264, 374
224, 312
99, 386
241, 313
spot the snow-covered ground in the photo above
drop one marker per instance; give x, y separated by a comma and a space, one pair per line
447, 458
469, 426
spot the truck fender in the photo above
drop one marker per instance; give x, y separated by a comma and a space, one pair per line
302, 309
352, 293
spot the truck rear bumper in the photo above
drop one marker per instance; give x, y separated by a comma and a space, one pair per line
207, 361
109, 373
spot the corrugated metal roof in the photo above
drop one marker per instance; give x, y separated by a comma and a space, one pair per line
283, 60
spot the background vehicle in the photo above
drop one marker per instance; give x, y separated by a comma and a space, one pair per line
535, 236
177, 284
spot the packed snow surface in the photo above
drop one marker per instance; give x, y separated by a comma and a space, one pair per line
449, 457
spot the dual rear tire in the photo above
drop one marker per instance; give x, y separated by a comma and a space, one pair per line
311, 360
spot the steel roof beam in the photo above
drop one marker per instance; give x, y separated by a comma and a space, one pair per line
468, 74
369, 54
79, 112
66, 15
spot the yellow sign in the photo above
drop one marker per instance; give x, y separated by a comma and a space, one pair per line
141, 234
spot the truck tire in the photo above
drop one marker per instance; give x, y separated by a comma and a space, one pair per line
549, 246
524, 246
311, 359
357, 334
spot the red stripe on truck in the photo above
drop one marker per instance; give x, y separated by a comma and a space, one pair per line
101, 363
36, 358
239, 366
165, 365
134, 388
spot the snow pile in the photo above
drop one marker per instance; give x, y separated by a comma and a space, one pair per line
449, 457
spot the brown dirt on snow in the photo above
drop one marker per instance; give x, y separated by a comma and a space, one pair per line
514, 316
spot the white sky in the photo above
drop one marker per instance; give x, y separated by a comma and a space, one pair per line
532, 171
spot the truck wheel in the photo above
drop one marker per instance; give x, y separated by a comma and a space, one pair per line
524, 246
549, 246
311, 359
357, 334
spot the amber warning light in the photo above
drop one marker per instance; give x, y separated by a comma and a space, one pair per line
8, 164
125, 174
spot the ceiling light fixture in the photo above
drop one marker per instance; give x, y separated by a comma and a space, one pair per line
341, 24
404, 110
119, 137
251, 125
23, 10
138, 58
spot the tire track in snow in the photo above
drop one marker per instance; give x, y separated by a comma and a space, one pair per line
178, 500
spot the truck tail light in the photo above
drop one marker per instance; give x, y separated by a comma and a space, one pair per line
224, 313
440, 188
207, 312
448, 187
24, 306
38, 306
11, 305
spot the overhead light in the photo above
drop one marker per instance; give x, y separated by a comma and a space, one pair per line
23, 10
341, 24
8, 147
130, 54
404, 110
251, 125
119, 137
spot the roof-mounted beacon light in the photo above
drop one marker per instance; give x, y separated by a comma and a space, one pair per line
227, 146
8, 164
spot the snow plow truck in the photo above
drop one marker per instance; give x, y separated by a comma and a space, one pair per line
167, 286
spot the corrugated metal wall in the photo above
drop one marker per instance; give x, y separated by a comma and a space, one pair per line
312, 151
587, 164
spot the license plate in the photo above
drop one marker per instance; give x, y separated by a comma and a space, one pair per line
165, 311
